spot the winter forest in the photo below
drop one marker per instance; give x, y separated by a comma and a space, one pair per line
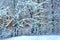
29, 17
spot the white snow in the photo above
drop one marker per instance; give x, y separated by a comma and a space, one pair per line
35, 38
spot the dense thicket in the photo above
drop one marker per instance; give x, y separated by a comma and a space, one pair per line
29, 17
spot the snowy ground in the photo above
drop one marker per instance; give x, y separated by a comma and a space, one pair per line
34, 38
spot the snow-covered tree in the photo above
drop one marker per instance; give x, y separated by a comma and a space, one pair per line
29, 17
